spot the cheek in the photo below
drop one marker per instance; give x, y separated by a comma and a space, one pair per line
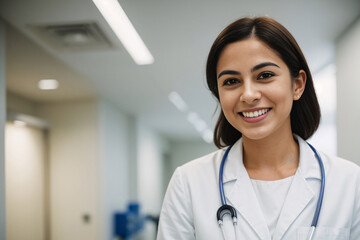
228, 100
281, 93
283, 100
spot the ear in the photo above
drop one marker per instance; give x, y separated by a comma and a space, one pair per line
299, 85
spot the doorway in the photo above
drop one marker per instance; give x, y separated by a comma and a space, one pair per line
25, 182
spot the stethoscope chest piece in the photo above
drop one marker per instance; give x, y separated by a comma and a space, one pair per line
224, 210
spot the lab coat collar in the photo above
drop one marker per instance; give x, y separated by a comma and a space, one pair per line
300, 193
308, 163
234, 162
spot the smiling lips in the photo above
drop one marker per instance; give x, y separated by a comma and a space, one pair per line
254, 116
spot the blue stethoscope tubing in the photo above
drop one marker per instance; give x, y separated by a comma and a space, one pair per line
227, 209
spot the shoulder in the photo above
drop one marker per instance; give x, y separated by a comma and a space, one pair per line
342, 169
202, 167
200, 173
341, 165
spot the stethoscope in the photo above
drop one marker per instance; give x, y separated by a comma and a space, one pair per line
227, 209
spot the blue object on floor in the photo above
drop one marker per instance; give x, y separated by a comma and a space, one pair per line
127, 224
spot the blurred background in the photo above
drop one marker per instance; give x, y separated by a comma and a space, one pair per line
110, 126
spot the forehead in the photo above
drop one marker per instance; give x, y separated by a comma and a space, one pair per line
247, 53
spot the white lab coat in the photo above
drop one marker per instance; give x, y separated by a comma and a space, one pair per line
192, 200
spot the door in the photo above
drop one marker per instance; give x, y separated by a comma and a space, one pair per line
25, 167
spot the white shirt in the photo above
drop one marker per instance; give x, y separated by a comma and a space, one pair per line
271, 197
192, 200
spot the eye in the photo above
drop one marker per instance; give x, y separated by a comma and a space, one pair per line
230, 81
265, 75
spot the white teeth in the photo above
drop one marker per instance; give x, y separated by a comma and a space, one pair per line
255, 113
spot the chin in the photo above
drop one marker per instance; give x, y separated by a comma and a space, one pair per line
256, 134
254, 138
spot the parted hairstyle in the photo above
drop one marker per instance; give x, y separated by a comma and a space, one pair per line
305, 112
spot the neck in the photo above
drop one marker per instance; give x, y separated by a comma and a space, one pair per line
272, 158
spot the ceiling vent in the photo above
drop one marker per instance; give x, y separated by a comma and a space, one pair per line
79, 36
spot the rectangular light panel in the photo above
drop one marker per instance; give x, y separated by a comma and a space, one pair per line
124, 30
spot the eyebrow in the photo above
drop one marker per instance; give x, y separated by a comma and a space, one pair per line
231, 72
257, 67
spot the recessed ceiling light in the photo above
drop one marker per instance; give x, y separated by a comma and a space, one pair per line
200, 125
124, 30
192, 117
19, 123
48, 84
208, 136
178, 101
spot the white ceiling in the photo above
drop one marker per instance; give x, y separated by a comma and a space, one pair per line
178, 34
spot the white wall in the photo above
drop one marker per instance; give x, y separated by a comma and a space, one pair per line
74, 169
348, 85
325, 138
133, 163
2, 129
114, 161
151, 148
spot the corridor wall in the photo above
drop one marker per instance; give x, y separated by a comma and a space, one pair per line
348, 98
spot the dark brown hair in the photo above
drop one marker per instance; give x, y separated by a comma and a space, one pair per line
305, 112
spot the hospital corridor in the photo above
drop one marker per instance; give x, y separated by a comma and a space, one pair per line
102, 102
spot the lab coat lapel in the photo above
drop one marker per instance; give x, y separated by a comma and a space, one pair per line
300, 192
240, 193
298, 198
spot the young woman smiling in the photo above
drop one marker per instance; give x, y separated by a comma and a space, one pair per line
265, 175
256, 94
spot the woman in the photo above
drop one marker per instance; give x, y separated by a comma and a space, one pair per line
271, 176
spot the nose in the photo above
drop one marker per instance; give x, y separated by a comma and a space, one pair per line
250, 93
